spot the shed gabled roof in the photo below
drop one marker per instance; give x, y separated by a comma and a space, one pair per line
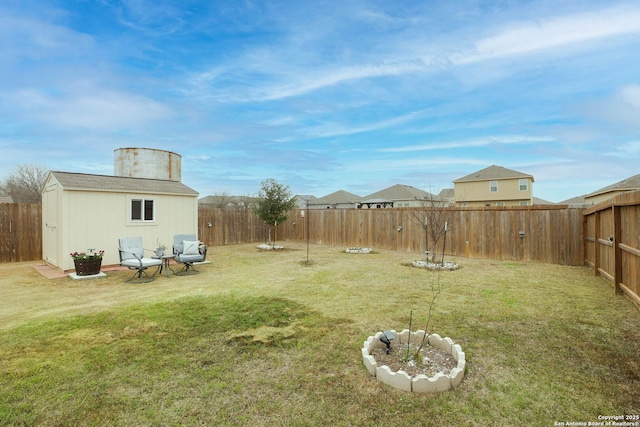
337, 197
493, 172
627, 184
88, 182
400, 192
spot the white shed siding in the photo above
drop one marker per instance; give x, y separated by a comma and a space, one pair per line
96, 219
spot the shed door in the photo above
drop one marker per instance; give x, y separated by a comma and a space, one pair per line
50, 221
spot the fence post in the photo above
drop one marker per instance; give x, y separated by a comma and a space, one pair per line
617, 252
596, 247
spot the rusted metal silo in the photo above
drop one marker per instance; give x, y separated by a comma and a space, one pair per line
147, 163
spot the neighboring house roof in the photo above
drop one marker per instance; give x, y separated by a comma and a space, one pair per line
228, 200
400, 192
5, 198
81, 181
210, 200
305, 200
539, 201
493, 172
628, 184
377, 200
445, 194
304, 197
579, 200
338, 197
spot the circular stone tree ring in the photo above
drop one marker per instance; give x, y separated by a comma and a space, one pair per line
418, 383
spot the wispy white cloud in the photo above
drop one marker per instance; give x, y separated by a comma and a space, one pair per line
384, 20
332, 77
331, 130
622, 107
630, 95
157, 17
94, 109
412, 163
554, 32
35, 38
476, 142
279, 81
627, 149
625, 107
262, 88
278, 75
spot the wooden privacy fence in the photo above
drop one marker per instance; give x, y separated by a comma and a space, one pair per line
607, 236
217, 226
20, 232
21, 229
612, 242
552, 234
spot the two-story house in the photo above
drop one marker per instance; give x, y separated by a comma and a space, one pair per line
494, 186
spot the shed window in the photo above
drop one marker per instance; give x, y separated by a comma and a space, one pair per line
142, 210
493, 186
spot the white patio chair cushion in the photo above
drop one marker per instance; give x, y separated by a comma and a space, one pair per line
190, 248
132, 254
142, 262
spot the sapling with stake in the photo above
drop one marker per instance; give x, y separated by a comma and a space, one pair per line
435, 291
409, 339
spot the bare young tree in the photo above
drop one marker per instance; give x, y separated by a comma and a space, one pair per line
436, 218
24, 183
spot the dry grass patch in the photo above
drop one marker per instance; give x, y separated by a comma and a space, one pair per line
262, 338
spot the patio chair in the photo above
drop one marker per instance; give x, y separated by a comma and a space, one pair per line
132, 256
187, 250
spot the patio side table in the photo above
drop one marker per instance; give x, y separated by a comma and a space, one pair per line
165, 264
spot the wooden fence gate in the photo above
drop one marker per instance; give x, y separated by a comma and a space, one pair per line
612, 242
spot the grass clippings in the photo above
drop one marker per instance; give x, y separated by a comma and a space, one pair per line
261, 339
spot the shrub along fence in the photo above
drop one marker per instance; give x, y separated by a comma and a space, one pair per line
612, 242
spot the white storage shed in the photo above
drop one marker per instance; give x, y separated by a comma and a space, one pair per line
85, 211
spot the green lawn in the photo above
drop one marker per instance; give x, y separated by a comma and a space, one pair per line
265, 339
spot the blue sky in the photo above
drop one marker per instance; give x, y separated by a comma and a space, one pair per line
353, 95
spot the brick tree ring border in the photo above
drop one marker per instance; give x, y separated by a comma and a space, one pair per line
418, 383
